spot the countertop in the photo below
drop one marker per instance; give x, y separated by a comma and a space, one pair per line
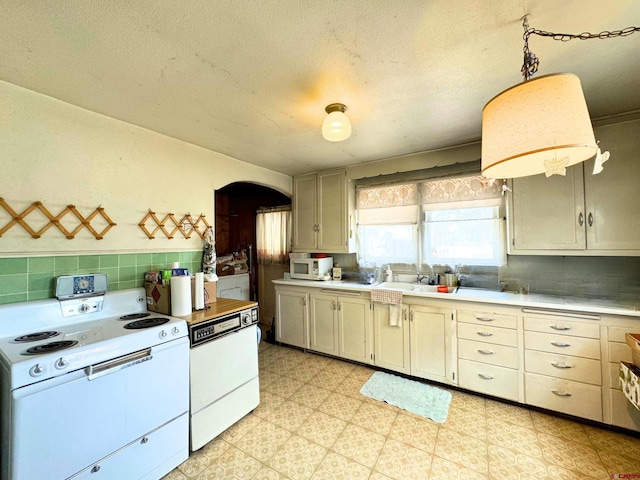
465, 294
222, 306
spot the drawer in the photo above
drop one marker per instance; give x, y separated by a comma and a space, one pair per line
489, 334
617, 334
489, 379
487, 318
619, 352
565, 345
565, 396
562, 326
580, 369
623, 414
488, 353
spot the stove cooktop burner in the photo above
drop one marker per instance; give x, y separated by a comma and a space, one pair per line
50, 347
35, 337
146, 323
134, 316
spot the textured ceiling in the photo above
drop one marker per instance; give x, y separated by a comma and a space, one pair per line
250, 79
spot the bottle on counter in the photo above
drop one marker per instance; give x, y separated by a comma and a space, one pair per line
388, 274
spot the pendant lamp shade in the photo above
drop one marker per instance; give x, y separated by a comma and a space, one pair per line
336, 126
539, 126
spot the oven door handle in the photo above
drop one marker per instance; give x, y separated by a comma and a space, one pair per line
115, 365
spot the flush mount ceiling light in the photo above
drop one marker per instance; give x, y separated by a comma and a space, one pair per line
336, 126
541, 125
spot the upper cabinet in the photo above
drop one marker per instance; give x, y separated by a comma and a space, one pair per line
581, 213
321, 217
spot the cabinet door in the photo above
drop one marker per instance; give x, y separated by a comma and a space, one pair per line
305, 218
291, 318
547, 213
391, 343
430, 333
354, 320
612, 196
323, 323
332, 211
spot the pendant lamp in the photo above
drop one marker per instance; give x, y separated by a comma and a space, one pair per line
336, 126
541, 125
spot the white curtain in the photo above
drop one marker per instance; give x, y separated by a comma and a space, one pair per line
273, 232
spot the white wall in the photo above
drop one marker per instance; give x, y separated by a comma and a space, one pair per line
62, 155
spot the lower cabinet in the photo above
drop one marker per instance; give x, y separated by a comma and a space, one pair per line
340, 325
418, 343
391, 337
488, 352
565, 363
291, 317
563, 369
430, 339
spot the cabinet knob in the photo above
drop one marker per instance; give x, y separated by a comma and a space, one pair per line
590, 219
581, 219
560, 344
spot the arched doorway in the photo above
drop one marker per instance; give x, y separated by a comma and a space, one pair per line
236, 205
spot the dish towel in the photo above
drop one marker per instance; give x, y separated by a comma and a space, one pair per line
391, 297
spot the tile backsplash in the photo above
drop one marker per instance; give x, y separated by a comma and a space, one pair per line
33, 278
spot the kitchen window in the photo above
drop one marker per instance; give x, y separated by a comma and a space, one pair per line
436, 222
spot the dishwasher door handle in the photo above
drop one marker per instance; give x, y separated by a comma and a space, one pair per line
115, 365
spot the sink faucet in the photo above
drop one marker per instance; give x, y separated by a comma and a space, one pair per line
431, 279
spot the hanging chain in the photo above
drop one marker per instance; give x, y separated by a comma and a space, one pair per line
531, 62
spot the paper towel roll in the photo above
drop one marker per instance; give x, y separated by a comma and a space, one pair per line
199, 293
180, 296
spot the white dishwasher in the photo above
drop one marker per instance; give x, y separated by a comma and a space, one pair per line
223, 372
234, 286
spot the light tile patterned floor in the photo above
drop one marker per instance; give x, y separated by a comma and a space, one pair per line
312, 423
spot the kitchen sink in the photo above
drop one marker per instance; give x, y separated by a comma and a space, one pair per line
414, 287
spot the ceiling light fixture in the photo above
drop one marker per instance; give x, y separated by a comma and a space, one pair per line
336, 126
542, 125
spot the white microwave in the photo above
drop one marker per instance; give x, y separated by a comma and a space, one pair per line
311, 268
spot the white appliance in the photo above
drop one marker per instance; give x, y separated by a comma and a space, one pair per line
224, 368
92, 386
311, 268
234, 286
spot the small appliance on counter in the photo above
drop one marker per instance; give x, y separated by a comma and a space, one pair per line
307, 268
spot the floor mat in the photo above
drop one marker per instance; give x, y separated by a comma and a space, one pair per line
415, 397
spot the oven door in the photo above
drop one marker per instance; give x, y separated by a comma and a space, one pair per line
63, 425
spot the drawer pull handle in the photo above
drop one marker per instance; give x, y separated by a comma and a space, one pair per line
485, 352
485, 334
485, 319
560, 327
561, 365
560, 344
560, 394
485, 377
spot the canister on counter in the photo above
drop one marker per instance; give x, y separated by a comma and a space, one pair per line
337, 273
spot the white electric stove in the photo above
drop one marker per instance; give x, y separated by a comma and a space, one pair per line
92, 385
